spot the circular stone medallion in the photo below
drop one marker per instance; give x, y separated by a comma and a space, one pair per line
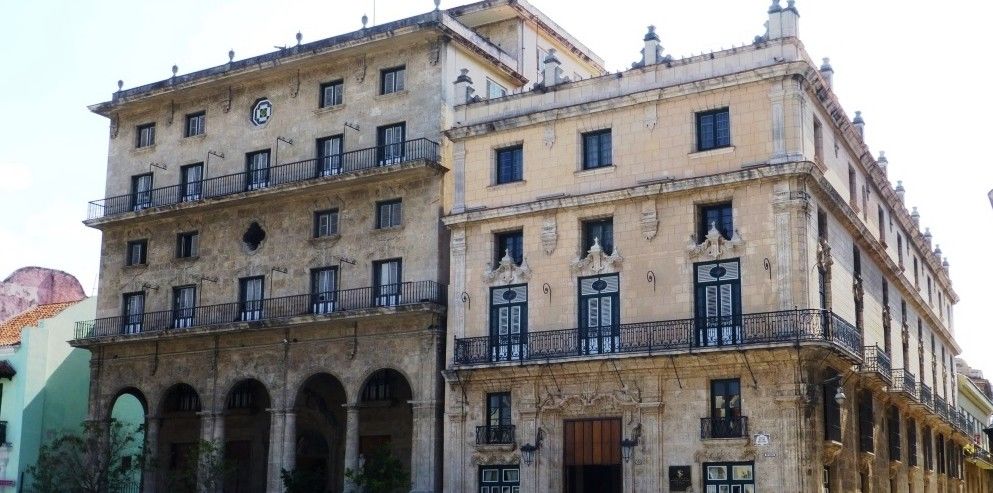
261, 112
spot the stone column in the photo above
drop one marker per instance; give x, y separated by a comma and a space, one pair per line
290, 440
425, 447
211, 431
149, 478
351, 442
274, 483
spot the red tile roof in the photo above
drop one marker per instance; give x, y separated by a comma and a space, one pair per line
10, 330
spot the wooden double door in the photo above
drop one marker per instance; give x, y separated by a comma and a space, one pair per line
592, 462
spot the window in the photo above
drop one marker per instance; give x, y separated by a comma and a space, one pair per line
508, 322
392, 80
141, 191
818, 142
911, 442
389, 213
183, 306
721, 477
510, 164
893, 433
325, 223
940, 446
597, 149
136, 252
133, 308
387, 282
499, 479
852, 188
882, 224
713, 129
494, 90
885, 317
191, 182
187, 244
145, 135
725, 409
323, 289
598, 231
498, 428
719, 216
329, 155
332, 93
917, 279
509, 243
822, 225
251, 294
379, 387
930, 301
195, 123
717, 303
599, 314
832, 411
390, 144
257, 164
865, 421
899, 250
928, 449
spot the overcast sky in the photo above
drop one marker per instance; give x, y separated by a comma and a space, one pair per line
914, 69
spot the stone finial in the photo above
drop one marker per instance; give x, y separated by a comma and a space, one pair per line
791, 5
937, 250
230, 56
652, 53
299, 37
551, 72
175, 69
900, 191
927, 236
859, 124
651, 34
365, 20
437, 4
915, 216
120, 84
827, 72
783, 23
882, 161
944, 264
775, 7
463, 87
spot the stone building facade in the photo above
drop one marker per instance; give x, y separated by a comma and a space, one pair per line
976, 403
691, 276
274, 266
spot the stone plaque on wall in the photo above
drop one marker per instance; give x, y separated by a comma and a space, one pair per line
679, 478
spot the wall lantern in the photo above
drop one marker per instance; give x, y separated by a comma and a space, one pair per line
627, 447
528, 450
839, 394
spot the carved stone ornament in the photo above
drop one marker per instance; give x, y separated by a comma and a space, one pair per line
824, 259
649, 220
597, 261
832, 450
508, 272
725, 451
714, 245
549, 136
549, 235
491, 457
115, 120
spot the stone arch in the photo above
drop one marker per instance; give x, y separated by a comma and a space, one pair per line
320, 428
225, 386
179, 428
356, 395
246, 424
126, 390
386, 415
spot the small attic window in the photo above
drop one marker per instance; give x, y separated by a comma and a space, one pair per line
254, 236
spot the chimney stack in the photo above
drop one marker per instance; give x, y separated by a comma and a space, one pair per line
783, 23
653, 47
827, 73
463, 87
551, 73
859, 124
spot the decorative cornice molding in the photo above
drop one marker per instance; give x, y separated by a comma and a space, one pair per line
597, 261
508, 272
714, 246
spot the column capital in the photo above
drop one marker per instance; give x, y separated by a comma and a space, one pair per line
209, 414
275, 411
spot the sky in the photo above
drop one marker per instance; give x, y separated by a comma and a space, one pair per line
915, 69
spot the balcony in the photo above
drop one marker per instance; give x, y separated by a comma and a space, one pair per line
926, 396
338, 167
733, 427
876, 364
904, 382
335, 304
785, 328
495, 435
940, 408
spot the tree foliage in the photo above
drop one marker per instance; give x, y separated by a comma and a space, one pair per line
381, 472
97, 459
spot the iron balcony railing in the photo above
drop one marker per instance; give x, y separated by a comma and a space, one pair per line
320, 304
494, 434
926, 397
940, 407
792, 326
875, 360
256, 179
731, 427
904, 381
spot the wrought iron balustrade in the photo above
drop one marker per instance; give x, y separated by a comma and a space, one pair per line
875, 360
791, 326
731, 427
322, 168
904, 381
940, 407
926, 396
495, 434
407, 293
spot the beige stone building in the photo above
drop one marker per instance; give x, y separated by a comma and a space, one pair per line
691, 276
274, 267
976, 404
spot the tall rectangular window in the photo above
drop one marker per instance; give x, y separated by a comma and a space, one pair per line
853, 192
818, 142
196, 123
191, 182
145, 135
601, 231
917, 278
822, 224
911, 442
509, 243
141, 191
389, 213
930, 301
857, 287
509, 164
187, 244
832, 410
885, 316
257, 166
866, 421
390, 143
713, 129
392, 80
928, 449
717, 303
599, 314
719, 216
497, 409
386, 279
329, 155
183, 306
325, 223
137, 252
133, 311
508, 322
725, 409
251, 295
893, 433
597, 149
899, 250
323, 289
882, 224
332, 93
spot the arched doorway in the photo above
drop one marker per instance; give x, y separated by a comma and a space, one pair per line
386, 417
178, 439
129, 409
246, 437
320, 438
